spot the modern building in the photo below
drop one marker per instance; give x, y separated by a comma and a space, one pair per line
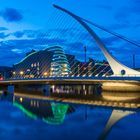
102, 68
90, 68
49, 62
73, 62
54, 62
59, 64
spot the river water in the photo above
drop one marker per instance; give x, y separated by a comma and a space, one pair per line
23, 117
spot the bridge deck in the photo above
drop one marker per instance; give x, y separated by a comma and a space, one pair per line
71, 80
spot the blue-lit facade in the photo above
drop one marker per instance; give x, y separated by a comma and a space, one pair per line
49, 62
59, 65
54, 62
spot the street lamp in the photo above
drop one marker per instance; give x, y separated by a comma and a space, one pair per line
45, 74
14, 72
21, 73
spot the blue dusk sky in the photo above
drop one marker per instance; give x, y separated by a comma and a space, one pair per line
36, 24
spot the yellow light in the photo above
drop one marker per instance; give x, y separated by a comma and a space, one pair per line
21, 72
21, 99
14, 73
45, 74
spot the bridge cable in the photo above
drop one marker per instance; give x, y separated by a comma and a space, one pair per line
111, 32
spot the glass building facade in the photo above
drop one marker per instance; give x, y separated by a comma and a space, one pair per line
49, 62
59, 65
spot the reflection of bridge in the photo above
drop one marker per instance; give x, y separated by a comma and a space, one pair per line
35, 106
55, 113
115, 117
128, 77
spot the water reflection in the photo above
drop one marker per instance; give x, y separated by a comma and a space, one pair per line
49, 112
87, 122
59, 111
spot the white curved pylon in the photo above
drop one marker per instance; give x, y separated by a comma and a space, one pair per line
116, 66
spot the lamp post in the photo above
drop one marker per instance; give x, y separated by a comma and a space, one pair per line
14, 74
21, 74
45, 74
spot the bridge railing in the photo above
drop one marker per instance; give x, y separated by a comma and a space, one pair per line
112, 77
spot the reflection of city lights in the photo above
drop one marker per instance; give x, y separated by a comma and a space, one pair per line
21, 72
59, 112
28, 113
21, 99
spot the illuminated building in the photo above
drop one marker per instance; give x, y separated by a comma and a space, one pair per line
35, 64
49, 62
54, 62
59, 65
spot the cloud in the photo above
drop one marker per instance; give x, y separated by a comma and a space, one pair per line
135, 6
11, 15
18, 34
105, 7
3, 35
3, 28
32, 34
109, 41
127, 13
137, 25
123, 15
17, 51
72, 41
119, 26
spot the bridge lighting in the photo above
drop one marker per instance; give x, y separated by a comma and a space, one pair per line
21, 72
45, 74
14, 72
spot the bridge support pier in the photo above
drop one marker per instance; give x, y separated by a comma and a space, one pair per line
10, 89
46, 89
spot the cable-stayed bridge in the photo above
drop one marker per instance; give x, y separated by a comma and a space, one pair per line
61, 68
